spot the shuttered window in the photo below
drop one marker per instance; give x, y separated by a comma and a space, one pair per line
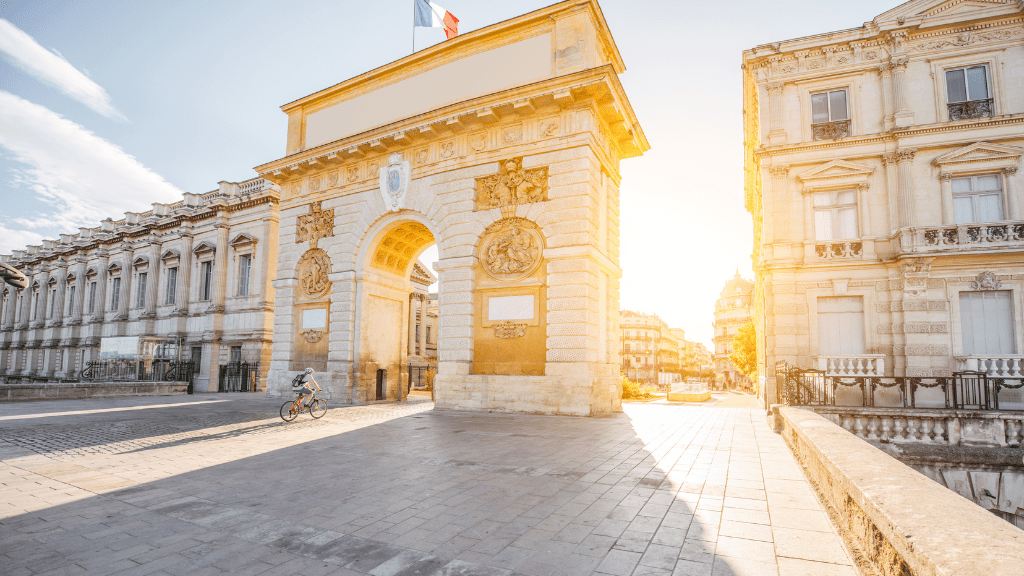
986, 322
840, 325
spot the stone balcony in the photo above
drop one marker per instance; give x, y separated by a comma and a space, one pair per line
1001, 366
963, 237
851, 365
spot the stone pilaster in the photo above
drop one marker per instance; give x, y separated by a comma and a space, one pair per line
888, 104
221, 264
182, 292
423, 327
412, 324
124, 297
100, 305
905, 190
903, 115
946, 190
1012, 202
777, 135
58, 300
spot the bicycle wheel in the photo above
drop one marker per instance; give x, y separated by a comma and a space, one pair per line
289, 411
318, 408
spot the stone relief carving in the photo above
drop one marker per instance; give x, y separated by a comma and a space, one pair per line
421, 156
314, 184
394, 182
332, 179
549, 127
914, 328
448, 149
315, 225
986, 281
511, 249
312, 336
509, 329
478, 141
512, 134
353, 174
314, 266
966, 38
512, 185
373, 168
911, 305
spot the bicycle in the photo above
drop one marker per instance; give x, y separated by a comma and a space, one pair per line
317, 408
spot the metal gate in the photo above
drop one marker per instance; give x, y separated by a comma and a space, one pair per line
239, 377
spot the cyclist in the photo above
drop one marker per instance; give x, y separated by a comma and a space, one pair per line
305, 390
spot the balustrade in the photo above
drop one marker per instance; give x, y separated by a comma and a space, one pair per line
831, 130
862, 365
929, 426
965, 237
1003, 366
839, 250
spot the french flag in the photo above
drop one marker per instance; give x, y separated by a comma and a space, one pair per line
430, 15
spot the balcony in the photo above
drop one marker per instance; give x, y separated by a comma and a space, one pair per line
851, 365
1001, 366
964, 237
970, 110
831, 130
839, 250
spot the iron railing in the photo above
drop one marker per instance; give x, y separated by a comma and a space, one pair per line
962, 391
135, 371
420, 378
239, 377
970, 109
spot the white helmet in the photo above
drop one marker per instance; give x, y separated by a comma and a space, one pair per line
309, 370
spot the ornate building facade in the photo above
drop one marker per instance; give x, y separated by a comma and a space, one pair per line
732, 310
882, 176
197, 270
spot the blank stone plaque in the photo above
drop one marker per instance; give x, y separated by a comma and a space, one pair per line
510, 308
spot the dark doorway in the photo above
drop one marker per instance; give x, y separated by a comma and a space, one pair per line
382, 378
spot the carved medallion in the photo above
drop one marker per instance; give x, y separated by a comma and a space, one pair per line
332, 179
512, 135
478, 141
512, 186
315, 225
314, 184
509, 329
986, 281
448, 149
511, 249
314, 266
353, 174
394, 182
313, 336
549, 127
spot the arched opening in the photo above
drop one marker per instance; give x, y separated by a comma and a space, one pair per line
396, 324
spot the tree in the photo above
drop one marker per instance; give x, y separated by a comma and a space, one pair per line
744, 350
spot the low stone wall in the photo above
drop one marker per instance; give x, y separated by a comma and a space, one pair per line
689, 396
930, 426
68, 391
895, 520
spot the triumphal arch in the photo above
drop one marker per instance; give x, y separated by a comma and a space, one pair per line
502, 146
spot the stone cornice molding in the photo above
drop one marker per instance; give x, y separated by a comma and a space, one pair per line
835, 175
980, 156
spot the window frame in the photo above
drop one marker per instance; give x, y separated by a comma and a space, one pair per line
206, 280
171, 290
828, 101
834, 207
141, 285
115, 293
244, 281
967, 88
973, 194
92, 297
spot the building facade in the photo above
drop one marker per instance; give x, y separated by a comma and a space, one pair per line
882, 176
732, 310
197, 270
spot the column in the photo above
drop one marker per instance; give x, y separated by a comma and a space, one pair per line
905, 195
26, 301
885, 75
221, 264
891, 189
182, 294
62, 286
903, 116
412, 324
83, 286
41, 307
423, 325
124, 298
1012, 202
809, 237
948, 217
153, 282
100, 305
777, 135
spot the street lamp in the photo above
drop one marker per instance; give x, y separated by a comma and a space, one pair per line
12, 276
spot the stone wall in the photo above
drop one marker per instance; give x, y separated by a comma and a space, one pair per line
894, 519
74, 390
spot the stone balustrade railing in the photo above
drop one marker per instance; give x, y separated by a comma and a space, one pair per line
929, 426
839, 250
1002, 366
847, 365
963, 237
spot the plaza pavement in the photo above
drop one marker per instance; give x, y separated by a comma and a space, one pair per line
212, 484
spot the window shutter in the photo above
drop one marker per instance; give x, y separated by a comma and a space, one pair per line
986, 322
837, 101
956, 87
819, 108
977, 86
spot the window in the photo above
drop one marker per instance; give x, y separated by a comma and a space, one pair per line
206, 289
50, 312
140, 295
840, 325
197, 358
92, 297
60, 360
115, 293
829, 107
977, 199
986, 322
835, 215
35, 304
71, 300
428, 334
172, 284
967, 84
244, 269
236, 354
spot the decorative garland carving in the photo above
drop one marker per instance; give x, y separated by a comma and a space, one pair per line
512, 186
315, 225
511, 249
509, 329
314, 266
313, 336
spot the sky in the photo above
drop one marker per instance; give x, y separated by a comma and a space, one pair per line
107, 107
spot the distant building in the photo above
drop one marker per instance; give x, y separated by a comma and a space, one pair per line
732, 310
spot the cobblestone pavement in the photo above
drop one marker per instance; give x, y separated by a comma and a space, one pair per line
212, 484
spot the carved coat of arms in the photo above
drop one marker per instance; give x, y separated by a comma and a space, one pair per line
512, 185
315, 225
394, 182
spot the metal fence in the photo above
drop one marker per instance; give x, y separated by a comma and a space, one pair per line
239, 377
135, 371
797, 386
420, 377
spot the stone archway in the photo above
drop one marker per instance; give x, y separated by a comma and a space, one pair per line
513, 171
